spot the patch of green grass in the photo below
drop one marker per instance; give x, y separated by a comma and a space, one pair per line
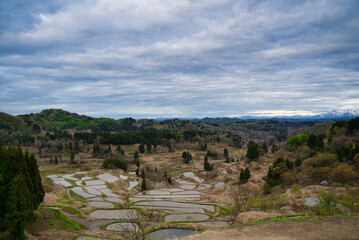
129, 149
72, 211
59, 220
76, 197
48, 218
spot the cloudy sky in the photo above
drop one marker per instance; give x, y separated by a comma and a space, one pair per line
179, 58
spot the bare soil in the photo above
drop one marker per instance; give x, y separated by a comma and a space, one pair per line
339, 228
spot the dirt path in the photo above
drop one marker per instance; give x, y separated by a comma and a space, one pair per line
343, 228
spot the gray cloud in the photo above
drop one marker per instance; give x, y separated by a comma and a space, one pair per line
179, 58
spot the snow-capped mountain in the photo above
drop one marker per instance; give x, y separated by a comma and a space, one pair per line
339, 114
333, 115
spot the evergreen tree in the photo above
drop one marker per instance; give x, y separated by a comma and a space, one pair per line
225, 152
21, 191
203, 146
141, 148
265, 148
72, 157
37, 188
169, 180
149, 147
96, 149
19, 207
253, 150
207, 166
143, 184
56, 161
118, 148
187, 157
244, 176
241, 176
247, 174
77, 147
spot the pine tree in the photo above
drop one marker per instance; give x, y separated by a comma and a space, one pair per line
241, 177
77, 147
72, 157
141, 148
143, 184
169, 180
20, 190
149, 147
225, 152
37, 188
247, 174
4, 180
19, 207
207, 166
135, 156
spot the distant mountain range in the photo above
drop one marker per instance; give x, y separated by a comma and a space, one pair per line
333, 115
329, 116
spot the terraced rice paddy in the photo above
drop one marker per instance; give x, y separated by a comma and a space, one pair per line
123, 227
126, 214
176, 204
186, 217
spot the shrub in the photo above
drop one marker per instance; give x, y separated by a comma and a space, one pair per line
343, 174
327, 204
296, 190
288, 178
350, 199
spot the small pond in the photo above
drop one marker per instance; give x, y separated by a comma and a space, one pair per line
170, 233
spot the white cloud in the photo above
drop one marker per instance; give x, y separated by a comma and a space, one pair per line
184, 57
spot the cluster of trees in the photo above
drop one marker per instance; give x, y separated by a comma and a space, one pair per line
114, 163
281, 172
253, 151
314, 142
189, 135
21, 191
187, 157
152, 136
352, 124
346, 154
327, 167
244, 176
